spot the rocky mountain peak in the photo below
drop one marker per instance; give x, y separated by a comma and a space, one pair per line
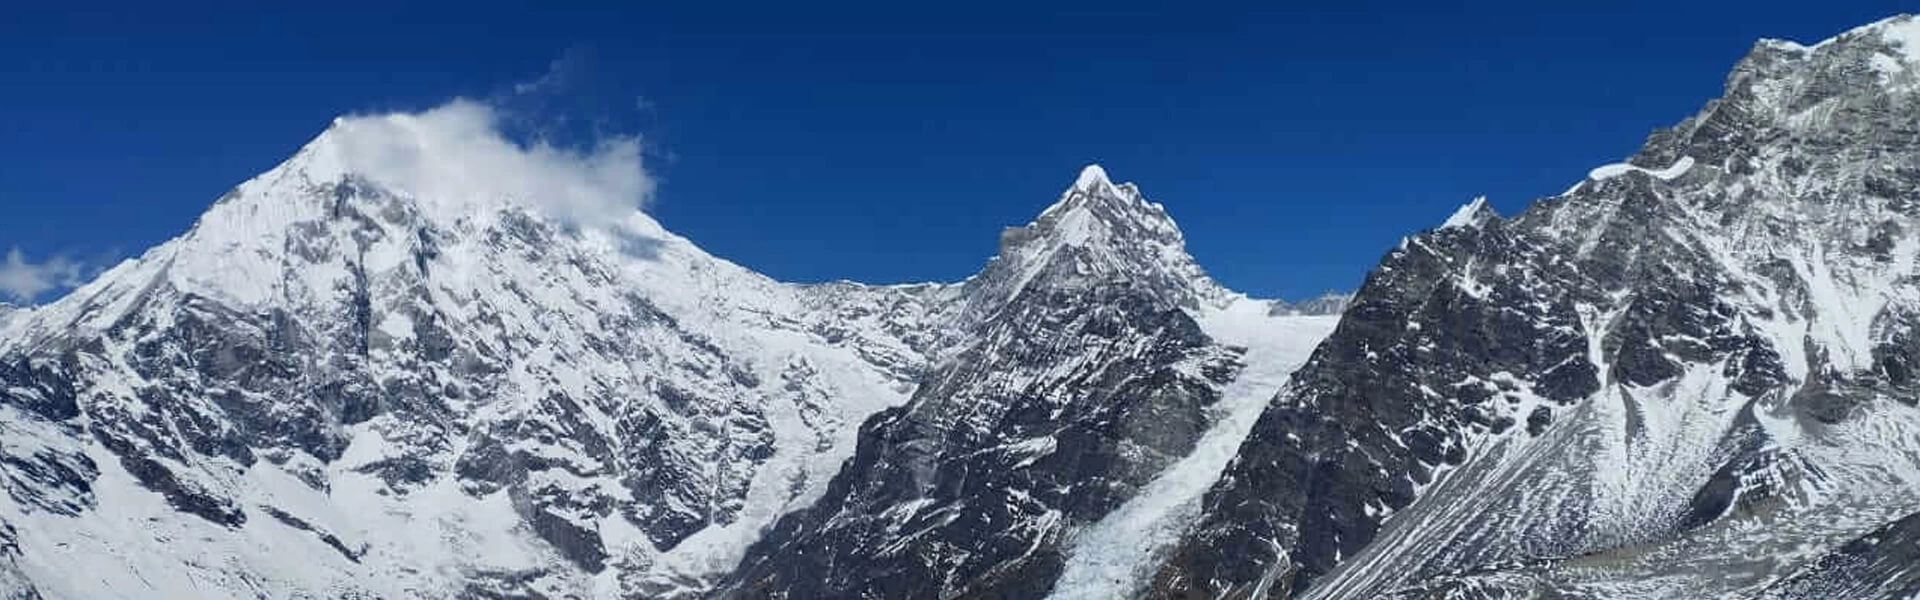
1471, 214
1810, 145
1091, 177
1831, 93
1097, 234
417, 359
1096, 211
419, 319
1897, 36
1685, 340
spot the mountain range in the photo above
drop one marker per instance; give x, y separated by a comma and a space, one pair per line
1693, 374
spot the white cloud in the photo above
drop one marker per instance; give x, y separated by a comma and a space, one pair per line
560, 71
546, 80
23, 281
456, 158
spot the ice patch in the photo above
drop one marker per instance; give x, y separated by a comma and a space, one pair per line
397, 326
1902, 31
1471, 214
1090, 177
1788, 45
1887, 65
1605, 172
1678, 168
1114, 557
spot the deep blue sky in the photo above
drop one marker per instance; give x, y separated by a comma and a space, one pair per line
884, 143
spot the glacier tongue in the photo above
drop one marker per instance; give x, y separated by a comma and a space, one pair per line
1097, 380
363, 373
1115, 557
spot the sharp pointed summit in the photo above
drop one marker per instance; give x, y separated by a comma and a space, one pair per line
359, 364
419, 360
1471, 214
1097, 233
1090, 176
1099, 361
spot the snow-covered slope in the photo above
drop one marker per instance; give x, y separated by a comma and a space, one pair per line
1114, 557
1689, 376
1100, 392
375, 372
335, 385
418, 361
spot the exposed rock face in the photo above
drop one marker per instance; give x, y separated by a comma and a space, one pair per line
1879, 564
1686, 377
340, 386
1089, 379
1692, 375
333, 384
1330, 303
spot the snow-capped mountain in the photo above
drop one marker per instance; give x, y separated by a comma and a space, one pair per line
332, 386
1105, 383
345, 383
1690, 376
364, 374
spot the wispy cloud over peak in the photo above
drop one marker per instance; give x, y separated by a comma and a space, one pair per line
457, 156
23, 281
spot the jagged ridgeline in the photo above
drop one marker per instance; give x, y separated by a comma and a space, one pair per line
1107, 383
1692, 375
336, 386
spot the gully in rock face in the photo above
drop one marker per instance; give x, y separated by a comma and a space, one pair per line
1691, 375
